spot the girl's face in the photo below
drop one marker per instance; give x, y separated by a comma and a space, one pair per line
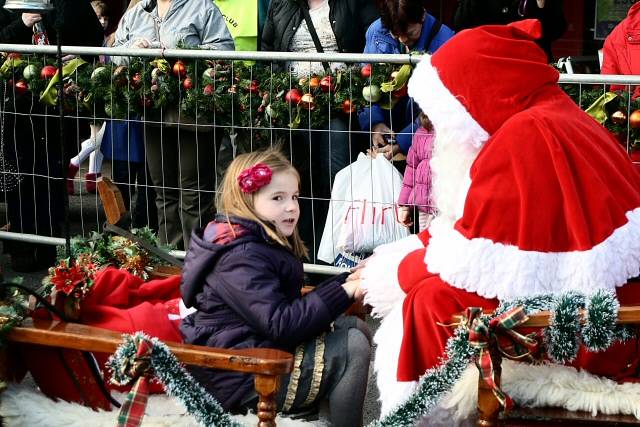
277, 202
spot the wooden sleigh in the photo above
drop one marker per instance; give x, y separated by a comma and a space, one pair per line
490, 412
35, 336
68, 341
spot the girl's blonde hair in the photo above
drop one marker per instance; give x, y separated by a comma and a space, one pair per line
231, 200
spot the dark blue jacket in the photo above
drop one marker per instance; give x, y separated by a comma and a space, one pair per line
247, 293
402, 118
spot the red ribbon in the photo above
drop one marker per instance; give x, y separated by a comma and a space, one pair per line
132, 410
510, 343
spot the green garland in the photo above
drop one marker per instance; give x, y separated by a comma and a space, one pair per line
177, 381
107, 249
255, 96
12, 310
433, 384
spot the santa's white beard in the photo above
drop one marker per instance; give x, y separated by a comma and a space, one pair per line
453, 154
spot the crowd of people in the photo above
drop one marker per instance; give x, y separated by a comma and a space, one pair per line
482, 151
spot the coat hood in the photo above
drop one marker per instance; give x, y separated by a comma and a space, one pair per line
203, 253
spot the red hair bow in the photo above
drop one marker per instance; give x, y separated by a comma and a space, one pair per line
254, 178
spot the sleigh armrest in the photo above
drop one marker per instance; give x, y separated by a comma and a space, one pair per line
489, 408
266, 364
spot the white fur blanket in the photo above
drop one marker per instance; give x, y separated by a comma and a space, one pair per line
23, 405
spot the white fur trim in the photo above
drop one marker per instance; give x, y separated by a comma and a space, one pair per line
544, 385
445, 111
388, 340
22, 405
380, 274
496, 270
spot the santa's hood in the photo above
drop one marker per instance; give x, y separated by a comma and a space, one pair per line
459, 80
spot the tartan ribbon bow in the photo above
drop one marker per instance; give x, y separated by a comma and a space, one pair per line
138, 368
510, 343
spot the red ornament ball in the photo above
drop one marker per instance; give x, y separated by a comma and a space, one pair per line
326, 84
402, 92
348, 107
136, 81
179, 70
187, 83
254, 86
208, 90
21, 87
293, 96
365, 71
48, 71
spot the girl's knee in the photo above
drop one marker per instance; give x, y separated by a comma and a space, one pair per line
362, 326
359, 346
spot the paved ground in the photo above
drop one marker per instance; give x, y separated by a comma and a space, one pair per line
85, 215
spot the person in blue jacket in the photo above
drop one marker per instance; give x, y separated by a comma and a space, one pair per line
404, 26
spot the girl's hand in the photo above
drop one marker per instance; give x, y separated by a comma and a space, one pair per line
404, 216
30, 19
353, 289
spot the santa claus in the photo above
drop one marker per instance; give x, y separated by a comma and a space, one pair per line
534, 197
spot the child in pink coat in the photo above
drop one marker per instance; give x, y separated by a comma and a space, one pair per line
416, 185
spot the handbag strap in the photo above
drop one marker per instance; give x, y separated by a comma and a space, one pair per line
312, 32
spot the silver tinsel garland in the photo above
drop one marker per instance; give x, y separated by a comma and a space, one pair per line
562, 340
177, 381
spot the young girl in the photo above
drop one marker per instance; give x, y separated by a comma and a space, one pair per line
416, 185
243, 273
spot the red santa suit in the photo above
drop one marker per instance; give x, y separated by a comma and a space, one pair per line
534, 196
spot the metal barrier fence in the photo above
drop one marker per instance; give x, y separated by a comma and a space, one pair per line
211, 108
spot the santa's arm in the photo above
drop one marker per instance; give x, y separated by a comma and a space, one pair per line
380, 274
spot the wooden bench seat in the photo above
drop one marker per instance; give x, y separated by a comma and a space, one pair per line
266, 364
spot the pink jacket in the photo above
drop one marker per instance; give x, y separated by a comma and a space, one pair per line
416, 185
621, 51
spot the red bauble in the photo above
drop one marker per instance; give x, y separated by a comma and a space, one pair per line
179, 70
293, 96
402, 92
146, 101
187, 83
21, 87
48, 71
326, 84
348, 107
136, 80
634, 119
365, 71
208, 90
254, 87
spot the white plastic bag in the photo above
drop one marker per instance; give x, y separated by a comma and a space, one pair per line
363, 213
